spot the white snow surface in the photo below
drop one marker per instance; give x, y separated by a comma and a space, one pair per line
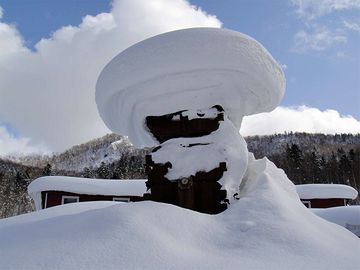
88, 186
326, 191
268, 228
346, 216
188, 69
222, 145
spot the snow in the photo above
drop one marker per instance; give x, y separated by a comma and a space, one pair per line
326, 191
88, 186
210, 151
346, 216
188, 69
268, 228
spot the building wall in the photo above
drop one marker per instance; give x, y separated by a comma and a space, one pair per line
53, 198
325, 203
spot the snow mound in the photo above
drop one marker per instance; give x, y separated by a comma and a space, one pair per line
187, 69
326, 191
268, 228
346, 216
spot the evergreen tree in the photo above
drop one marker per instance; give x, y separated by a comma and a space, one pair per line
295, 158
47, 170
332, 170
103, 171
314, 168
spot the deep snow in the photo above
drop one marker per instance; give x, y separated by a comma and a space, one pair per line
191, 70
268, 228
188, 69
346, 216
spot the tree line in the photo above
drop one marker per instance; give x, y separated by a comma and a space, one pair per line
305, 158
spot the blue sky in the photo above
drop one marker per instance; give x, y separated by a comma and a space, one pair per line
317, 42
328, 78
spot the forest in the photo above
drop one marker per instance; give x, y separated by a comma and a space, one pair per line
305, 158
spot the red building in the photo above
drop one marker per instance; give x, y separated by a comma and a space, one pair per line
325, 195
51, 191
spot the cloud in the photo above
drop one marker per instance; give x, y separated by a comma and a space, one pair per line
11, 42
318, 36
48, 94
299, 119
352, 26
318, 40
11, 145
311, 9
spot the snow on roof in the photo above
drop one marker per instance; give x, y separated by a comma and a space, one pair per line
268, 228
187, 69
326, 191
88, 186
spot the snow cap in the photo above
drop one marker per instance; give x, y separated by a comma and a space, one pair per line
326, 191
188, 69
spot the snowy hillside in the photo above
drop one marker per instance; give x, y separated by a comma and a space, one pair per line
110, 147
322, 143
107, 149
268, 228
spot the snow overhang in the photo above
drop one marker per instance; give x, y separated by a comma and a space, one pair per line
187, 69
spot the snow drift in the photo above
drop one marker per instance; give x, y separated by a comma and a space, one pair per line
268, 228
346, 216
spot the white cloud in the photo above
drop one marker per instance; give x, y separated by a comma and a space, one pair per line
48, 95
299, 119
11, 42
311, 9
1, 12
318, 37
352, 26
318, 40
11, 145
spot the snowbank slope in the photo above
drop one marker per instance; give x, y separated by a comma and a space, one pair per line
268, 228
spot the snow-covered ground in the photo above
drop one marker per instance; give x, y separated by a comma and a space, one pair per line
268, 228
346, 216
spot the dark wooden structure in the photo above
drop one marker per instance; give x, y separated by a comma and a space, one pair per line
200, 192
176, 125
324, 203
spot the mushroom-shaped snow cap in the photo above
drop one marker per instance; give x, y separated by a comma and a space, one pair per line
188, 69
